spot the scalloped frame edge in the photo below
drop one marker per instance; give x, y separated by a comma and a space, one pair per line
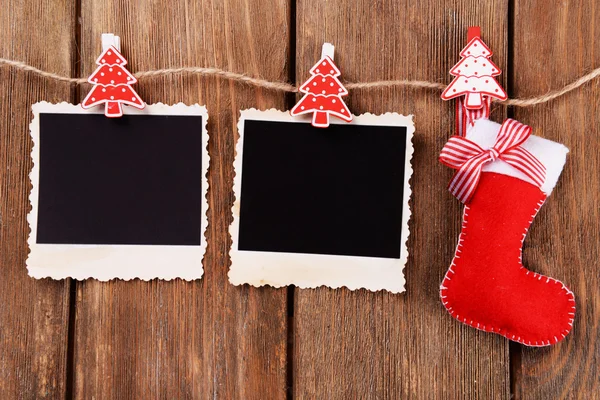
282, 269
134, 269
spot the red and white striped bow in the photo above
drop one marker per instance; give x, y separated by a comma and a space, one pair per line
468, 158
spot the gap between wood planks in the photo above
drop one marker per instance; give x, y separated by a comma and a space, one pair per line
290, 102
72, 284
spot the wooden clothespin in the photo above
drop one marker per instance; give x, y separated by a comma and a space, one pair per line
110, 39
323, 92
112, 81
473, 32
327, 50
474, 74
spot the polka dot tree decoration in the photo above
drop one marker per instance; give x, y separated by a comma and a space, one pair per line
474, 75
112, 84
323, 93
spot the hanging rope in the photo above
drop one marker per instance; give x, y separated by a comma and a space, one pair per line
286, 87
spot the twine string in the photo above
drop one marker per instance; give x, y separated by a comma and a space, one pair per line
286, 87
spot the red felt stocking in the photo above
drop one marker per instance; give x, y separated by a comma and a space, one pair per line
487, 286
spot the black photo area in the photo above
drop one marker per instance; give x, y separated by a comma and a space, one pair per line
335, 191
136, 179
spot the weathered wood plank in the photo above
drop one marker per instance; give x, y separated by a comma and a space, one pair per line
189, 339
552, 47
377, 345
33, 314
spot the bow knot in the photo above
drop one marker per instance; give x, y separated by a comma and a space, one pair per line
494, 154
469, 158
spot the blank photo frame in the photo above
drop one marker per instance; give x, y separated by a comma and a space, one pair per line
321, 206
118, 197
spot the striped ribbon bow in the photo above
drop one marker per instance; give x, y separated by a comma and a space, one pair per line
468, 158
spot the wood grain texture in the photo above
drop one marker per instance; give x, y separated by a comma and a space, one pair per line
553, 46
379, 345
33, 314
188, 339
210, 339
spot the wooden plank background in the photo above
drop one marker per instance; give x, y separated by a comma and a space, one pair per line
564, 240
176, 339
34, 315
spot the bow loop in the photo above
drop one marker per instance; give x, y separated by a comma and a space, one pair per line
512, 134
469, 158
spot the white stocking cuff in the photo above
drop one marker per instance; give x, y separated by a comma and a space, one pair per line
552, 154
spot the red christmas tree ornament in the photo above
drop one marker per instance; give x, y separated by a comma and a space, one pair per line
323, 92
474, 74
112, 81
504, 177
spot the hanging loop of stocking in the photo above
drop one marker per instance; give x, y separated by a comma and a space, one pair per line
466, 117
469, 158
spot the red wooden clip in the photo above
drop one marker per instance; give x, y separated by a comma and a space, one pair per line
112, 81
323, 92
474, 74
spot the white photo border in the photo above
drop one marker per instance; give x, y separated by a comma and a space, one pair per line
106, 262
277, 269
